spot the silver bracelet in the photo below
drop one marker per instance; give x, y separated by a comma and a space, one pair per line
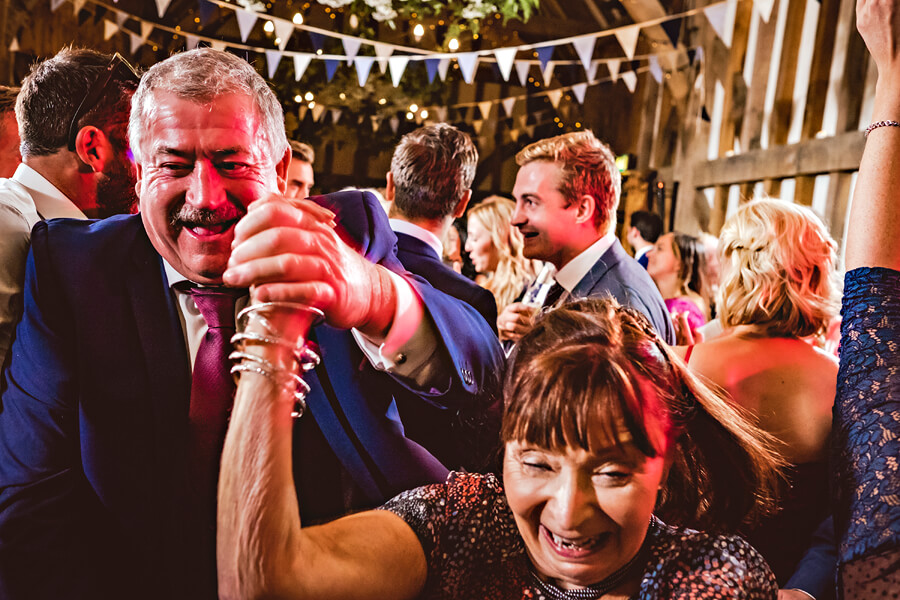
300, 390
878, 124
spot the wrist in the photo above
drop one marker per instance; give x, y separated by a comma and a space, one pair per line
382, 307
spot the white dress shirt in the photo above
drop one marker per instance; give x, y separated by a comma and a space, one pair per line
421, 234
574, 271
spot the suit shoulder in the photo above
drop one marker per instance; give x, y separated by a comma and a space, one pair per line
78, 237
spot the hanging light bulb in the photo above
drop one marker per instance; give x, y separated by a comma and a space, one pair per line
269, 27
424, 114
413, 107
453, 44
354, 21
298, 98
418, 31
308, 96
298, 19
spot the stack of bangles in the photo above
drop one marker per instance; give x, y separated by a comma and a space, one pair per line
255, 327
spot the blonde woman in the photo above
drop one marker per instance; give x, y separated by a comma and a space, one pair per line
777, 290
495, 249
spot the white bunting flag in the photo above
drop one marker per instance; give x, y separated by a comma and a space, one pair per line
514, 135
301, 61
630, 80
121, 17
764, 8
443, 67
273, 57
283, 32
505, 59
351, 48
383, 51
628, 38
54, 4
530, 130
578, 91
584, 46
14, 45
477, 125
109, 29
508, 105
522, 69
162, 6
548, 72
363, 67
246, 20
136, 41
485, 108
592, 72
721, 17
468, 63
613, 66
655, 69
77, 5
217, 45
146, 29
301, 112
441, 114
554, 96
317, 111
398, 65
376, 122
336, 115
192, 41
395, 124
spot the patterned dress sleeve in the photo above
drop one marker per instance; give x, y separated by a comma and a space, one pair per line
866, 442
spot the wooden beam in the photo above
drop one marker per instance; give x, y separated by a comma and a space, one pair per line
820, 68
755, 110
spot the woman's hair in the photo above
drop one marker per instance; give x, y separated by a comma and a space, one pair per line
591, 368
777, 270
691, 257
513, 271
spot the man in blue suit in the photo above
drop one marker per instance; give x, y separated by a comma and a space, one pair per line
567, 192
111, 425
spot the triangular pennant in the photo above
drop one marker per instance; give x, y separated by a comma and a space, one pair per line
441, 114
463, 112
485, 108
548, 73
673, 30
363, 67
301, 61
514, 135
592, 72
136, 41
630, 79
77, 5
301, 112
146, 29
545, 53
317, 111
443, 67
721, 18
206, 10
655, 69
283, 32
54, 4
477, 125
628, 38
336, 115
217, 45
522, 69
431, 66
613, 66
121, 17
530, 131
109, 29
505, 59
508, 105
764, 8
192, 41
351, 48
554, 96
578, 91
468, 62
273, 57
246, 20
584, 47
317, 39
395, 124
14, 45
398, 65
162, 6
331, 66
383, 51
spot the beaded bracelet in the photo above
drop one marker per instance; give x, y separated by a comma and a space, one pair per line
878, 124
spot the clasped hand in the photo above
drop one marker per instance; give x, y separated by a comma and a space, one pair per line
289, 251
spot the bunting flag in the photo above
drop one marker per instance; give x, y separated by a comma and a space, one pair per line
554, 97
673, 30
514, 135
317, 111
584, 47
316, 39
109, 29
548, 72
217, 45
376, 122
146, 30
592, 73
508, 105
477, 125
351, 48
630, 79
443, 67
383, 51
578, 90
655, 69
336, 115
628, 38
136, 42
14, 44
162, 6
246, 20
764, 8
283, 32
441, 112
54, 4
331, 66
505, 59
273, 57
121, 17
395, 124
301, 61
522, 69
468, 63
485, 108
397, 64
206, 10
192, 41
77, 5
363, 67
431, 65
721, 18
545, 53
523, 121
613, 66
530, 131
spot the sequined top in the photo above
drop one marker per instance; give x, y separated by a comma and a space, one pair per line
867, 435
474, 550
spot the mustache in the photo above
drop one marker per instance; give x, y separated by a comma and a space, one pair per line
202, 217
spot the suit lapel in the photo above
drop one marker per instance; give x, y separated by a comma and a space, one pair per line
607, 261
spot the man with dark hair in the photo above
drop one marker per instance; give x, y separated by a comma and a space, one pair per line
9, 131
645, 228
300, 176
72, 114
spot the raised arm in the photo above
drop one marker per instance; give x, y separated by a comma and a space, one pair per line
874, 226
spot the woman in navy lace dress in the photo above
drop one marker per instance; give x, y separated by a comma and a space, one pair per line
606, 436
867, 408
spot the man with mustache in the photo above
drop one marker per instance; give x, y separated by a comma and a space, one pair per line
567, 192
119, 392
73, 114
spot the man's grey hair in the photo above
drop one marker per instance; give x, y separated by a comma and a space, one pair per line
432, 168
201, 76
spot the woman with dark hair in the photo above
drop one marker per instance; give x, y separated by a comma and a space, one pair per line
606, 434
677, 264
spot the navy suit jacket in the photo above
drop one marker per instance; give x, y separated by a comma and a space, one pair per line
619, 275
94, 490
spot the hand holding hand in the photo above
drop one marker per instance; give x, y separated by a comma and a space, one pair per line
289, 251
515, 321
